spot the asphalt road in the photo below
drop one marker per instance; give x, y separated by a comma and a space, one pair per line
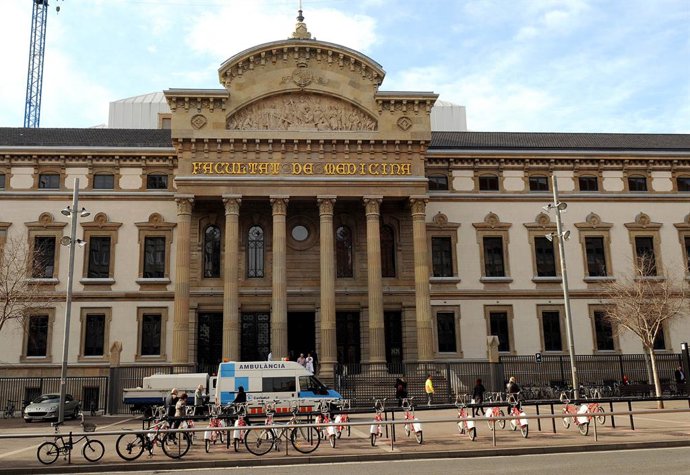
646, 461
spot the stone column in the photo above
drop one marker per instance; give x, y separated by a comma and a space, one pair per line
279, 300
231, 286
377, 337
421, 279
328, 350
180, 350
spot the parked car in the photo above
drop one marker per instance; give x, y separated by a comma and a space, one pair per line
45, 407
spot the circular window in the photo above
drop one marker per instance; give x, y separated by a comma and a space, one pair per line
300, 233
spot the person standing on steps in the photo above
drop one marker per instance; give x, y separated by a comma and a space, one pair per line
429, 388
478, 397
400, 389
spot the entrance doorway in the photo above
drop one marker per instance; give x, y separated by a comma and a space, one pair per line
347, 337
394, 348
301, 333
209, 342
255, 341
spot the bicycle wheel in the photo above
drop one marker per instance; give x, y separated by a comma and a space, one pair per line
601, 418
583, 428
207, 445
373, 439
513, 424
419, 437
407, 429
259, 441
305, 439
130, 446
472, 433
566, 419
524, 430
501, 423
348, 429
93, 450
47, 453
176, 447
236, 444
461, 427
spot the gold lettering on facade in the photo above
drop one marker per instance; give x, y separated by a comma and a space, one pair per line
271, 168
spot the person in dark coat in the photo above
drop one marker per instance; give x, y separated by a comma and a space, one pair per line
478, 396
241, 396
400, 389
170, 403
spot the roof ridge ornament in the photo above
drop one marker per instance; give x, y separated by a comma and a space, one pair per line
301, 32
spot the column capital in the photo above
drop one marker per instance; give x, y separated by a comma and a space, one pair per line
372, 204
326, 204
232, 203
279, 204
184, 204
418, 204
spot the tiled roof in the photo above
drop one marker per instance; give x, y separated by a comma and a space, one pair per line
564, 141
96, 137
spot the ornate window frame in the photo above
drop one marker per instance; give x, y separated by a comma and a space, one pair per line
508, 309
588, 173
48, 358
593, 226
542, 226
103, 170
346, 219
644, 227
562, 327
157, 171
675, 177
630, 173
100, 227
683, 234
6, 171
481, 173
493, 227
593, 325
55, 169
537, 173
156, 226
455, 310
85, 312
441, 227
437, 173
46, 226
163, 312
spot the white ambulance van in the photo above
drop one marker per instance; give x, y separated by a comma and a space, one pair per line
270, 380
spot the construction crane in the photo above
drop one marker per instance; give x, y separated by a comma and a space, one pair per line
34, 79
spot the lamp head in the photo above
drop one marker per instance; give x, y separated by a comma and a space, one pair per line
562, 206
547, 208
84, 213
566, 235
81, 242
66, 211
549, 237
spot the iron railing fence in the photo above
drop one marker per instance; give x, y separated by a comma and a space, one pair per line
92, 391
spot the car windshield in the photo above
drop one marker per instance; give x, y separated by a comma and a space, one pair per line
46, 398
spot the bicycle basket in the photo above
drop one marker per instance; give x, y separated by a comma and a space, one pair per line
89, 427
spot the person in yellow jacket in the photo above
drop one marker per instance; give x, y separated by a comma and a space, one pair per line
429, 388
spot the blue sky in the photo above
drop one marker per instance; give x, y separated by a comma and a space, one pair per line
517, 65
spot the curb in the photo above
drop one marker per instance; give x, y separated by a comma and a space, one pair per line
316, 459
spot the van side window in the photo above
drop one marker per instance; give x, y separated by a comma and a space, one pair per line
276, 385
310, 383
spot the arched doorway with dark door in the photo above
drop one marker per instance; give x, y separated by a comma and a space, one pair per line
209, 341
301, 333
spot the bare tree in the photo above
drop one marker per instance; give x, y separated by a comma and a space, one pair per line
643, 301
21, 295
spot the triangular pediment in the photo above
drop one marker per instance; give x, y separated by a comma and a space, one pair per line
301, 111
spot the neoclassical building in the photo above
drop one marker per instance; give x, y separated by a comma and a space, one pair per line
300, 208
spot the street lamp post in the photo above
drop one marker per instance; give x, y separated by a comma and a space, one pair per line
562, 236
70, 241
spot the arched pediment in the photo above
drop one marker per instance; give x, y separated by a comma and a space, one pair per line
301, 112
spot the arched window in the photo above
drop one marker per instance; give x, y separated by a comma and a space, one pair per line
212, 251
255, 252
343, 251
387, 252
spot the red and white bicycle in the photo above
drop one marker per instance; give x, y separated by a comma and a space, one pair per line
520, 418
465, 426
375, 429
342, 417
240, 410
495, 411
412, 424
326, 428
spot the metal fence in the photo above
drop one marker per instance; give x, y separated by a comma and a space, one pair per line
92, 391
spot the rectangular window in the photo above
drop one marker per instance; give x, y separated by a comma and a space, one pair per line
151, 334
445, 324
99, 257
637, 183
596, 256
94, 335
588, 183
37, 339
103, 182
644, 251
283, 384
683, 183
551, 326
49, 181
154, 257
660, 340
44, 257
442, 257
498, 322
488, 183
2, 181
546, 262
493, 257
687, 253
438, 182
604, 332
538, 183
156, 182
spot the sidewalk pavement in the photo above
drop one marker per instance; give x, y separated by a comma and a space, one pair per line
441, 439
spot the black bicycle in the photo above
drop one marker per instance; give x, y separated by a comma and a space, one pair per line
93, 450
175, 445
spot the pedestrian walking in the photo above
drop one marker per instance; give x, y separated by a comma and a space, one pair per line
309, 363
429, 388
512, 387
477, 396
170, 402
302, 360
400, 389
199, 400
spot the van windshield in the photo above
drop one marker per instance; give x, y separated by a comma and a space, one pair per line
312, 383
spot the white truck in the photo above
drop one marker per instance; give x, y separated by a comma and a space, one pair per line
156, 388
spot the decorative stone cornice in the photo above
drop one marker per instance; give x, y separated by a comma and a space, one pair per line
205, 100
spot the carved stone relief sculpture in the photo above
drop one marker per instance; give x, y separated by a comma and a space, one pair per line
304, 112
